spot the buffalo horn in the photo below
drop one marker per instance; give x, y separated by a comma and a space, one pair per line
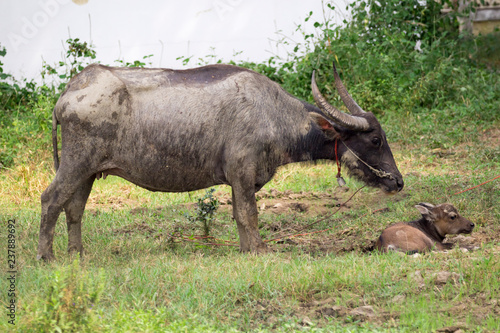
349, 102
343, 119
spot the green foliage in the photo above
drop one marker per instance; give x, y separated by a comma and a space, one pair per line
14, 95
78, 56
136, 63
71, 300
210, 58
411, 21
26, 131
26, 110
3, 52
205, 210
401, 60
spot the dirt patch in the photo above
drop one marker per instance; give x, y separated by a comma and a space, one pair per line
141, 228
491, 137
285, 222
277, 202
319, 313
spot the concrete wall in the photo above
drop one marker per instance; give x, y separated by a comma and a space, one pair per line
484, 20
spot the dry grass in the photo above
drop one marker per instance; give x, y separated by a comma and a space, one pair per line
23, 185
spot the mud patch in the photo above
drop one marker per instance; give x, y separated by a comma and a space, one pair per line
136, 227
491, 137
276, 202
284, 222
319, 313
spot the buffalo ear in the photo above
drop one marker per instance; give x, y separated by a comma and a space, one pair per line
426, 210
325, 125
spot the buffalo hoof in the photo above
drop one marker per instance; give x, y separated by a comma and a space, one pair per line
260, 249
73, 251
48, 257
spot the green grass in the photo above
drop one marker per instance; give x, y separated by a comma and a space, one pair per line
151, 284
210, 289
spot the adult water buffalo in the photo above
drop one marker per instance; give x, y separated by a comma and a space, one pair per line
184, 130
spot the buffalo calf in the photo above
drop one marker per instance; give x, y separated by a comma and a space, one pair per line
427, 233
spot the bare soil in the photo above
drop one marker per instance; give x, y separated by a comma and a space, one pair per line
288, 230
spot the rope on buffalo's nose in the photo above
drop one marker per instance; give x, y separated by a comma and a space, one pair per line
340, 180
377, 172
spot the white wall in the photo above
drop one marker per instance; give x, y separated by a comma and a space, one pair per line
33, 30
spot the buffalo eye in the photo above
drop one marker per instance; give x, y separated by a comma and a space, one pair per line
376, 141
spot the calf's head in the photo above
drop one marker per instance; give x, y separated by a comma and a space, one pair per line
361, 141
445, 218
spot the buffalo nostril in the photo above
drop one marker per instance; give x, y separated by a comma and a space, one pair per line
400, 184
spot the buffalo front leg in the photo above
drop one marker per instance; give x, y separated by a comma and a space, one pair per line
74, 209
244, 243
246, 216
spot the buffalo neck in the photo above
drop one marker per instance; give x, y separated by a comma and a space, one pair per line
428, 228
311, 147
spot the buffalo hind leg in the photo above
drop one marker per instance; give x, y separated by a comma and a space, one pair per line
50, 212
53, 199
246, 216
74, 211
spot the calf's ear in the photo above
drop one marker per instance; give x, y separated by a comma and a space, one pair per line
325, 125
426, 210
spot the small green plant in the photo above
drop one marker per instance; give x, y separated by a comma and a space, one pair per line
210, 58
71, 300
136, 63
78, 56
205, 210
3, 75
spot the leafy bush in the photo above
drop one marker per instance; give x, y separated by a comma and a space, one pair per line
14, 95
401, 60
78, 56
25, 115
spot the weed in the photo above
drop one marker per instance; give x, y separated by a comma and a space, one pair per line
205, 210
71, 301
26, 134
136, 63
78, 55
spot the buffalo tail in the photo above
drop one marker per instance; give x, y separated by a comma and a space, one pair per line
54, 140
